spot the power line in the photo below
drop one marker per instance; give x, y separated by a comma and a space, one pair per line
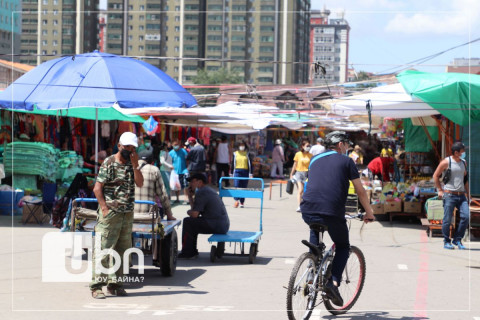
424, 59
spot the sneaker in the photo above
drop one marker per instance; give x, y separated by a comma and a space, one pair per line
241, 205
448, 245
459, 245
183, 256
235, 205
333, 294
98, 294
298, 209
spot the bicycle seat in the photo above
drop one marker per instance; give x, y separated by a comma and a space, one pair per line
318, 227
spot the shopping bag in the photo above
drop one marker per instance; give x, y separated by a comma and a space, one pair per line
174, 181
290, 184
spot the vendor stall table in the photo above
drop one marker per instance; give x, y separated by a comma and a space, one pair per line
276, 181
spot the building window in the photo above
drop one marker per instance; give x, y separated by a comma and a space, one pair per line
44, 42
141, 28
142, 8
54, 43
177, 39
130, 37
140, 38
55, 32
266, 39
140, 48
142, 17
54, 52
238, 18
55, 22
44, 22
215, 38
44, 32
45, 2
267, 18
44, 52
215, 17
55, 12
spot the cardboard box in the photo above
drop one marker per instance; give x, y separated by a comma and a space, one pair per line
392, 206
412, 207
434, 209
377, 208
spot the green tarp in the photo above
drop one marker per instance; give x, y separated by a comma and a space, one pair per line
416, 139
87, 113
454, 95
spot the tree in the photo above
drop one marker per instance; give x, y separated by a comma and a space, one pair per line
218, 77
363, 75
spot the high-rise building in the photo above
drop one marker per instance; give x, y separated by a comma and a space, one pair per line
329, 40
55, 27
212, 34
10, 26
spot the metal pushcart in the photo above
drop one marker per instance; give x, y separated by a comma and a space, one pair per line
150, 233
240, 237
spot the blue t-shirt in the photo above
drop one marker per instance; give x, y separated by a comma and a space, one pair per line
179, 160
327, 188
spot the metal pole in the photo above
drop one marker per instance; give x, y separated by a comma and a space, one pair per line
180, 63
79, 28
96, 140
284, 42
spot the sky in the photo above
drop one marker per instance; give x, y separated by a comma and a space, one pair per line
386, 34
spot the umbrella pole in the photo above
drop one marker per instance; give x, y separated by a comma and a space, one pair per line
96, 140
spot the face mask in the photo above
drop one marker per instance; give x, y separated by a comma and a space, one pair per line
125, 154
241, 148
176, 147
307, 149
147, 144
463, 155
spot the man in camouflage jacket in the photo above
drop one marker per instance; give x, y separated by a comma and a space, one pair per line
115, 192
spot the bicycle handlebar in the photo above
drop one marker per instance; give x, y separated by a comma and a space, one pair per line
358, 216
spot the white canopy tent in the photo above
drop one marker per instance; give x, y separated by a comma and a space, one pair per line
387, 101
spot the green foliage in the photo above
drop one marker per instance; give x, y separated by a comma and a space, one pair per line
218, 77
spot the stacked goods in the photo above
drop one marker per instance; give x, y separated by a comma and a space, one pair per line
69, 164
31, 158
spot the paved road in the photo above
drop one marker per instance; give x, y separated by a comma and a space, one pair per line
409, 276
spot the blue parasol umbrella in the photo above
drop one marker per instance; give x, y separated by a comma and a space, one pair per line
95, 80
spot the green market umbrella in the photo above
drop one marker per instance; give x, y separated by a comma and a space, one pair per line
454, 95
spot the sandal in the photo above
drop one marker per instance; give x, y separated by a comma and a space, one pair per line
98, 294
117, 291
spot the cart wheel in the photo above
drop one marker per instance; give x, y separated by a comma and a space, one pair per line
168, 253
253, 253
220, 249
213, 253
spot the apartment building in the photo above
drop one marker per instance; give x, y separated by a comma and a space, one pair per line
51, 28
10, 27
259, 39
329, 41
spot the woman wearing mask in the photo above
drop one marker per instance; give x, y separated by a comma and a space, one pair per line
300, 169
166, 166
241, 168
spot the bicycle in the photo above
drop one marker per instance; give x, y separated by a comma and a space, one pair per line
311, 272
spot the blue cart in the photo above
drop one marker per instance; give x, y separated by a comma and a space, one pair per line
149, 233
241, 237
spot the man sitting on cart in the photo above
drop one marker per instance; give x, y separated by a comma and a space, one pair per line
207, 215
153, 188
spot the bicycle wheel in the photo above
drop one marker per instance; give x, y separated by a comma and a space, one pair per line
353, 278
301, 293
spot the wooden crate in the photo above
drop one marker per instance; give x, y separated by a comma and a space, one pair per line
392, 206
412, 207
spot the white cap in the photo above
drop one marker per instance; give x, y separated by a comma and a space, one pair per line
278, 141
129, 139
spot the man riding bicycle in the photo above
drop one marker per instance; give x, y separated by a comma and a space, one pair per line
325, 198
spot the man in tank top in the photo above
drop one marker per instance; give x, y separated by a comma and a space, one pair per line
455, 194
